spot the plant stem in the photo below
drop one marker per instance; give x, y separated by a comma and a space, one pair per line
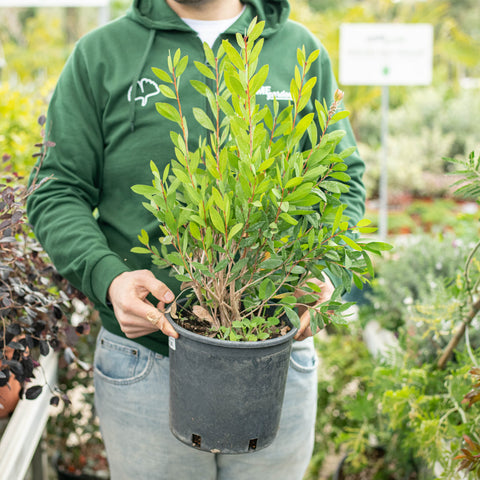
458, 336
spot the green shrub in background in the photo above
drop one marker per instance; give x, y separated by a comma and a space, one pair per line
19, 110
430, 122
35, 47
411, 274
345, 366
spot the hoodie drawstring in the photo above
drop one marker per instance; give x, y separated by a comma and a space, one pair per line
151, 38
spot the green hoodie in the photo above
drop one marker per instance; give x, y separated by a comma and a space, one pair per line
103, 120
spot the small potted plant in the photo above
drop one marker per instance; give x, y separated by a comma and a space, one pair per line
246, 220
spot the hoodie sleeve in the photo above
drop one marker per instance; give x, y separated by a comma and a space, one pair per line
61, 209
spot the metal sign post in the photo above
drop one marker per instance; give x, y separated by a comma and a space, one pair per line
385, 54
383, 187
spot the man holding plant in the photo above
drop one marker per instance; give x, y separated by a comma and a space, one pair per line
102, 118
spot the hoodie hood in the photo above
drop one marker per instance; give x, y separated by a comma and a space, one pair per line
157, 15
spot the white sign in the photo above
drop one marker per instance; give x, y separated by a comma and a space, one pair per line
386, 54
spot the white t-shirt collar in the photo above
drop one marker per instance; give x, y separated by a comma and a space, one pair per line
209, 30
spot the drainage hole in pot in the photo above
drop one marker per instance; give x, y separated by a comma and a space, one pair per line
252, 445
196, 441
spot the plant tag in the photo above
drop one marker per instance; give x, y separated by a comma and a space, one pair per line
171, 343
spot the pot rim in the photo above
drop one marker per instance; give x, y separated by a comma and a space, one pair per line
218, 342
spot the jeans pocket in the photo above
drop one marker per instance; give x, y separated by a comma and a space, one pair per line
303, 358
120, 360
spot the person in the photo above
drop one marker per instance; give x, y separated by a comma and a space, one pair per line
103, 120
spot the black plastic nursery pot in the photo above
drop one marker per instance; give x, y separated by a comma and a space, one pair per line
226, 397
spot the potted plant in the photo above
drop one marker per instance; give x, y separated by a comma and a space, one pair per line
247, 219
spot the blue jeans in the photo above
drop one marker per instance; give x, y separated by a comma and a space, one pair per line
131, 398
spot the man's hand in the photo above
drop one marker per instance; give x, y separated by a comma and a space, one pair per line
325, 294
135, 314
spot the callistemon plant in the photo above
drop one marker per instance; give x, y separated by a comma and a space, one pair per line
247, 217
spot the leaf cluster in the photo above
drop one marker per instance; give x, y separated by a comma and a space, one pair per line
34, 299
248, 214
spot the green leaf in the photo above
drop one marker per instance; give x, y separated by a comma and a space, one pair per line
233, 55
341, 176
181, 175
266, 164
162, 75
351, 243
313, 56
195, 231
209, 55
377, 247
168, 111
368, 262
338, 218
347, 152
301, 59
181, 66
288, 218
140, 250
266, 289
255, 30
292, 316
271, 263
316, 288
293, 182
204, 70
339, 116
258, 80
334, 187
222, 265
199, 86
175, 258
217, 220
203, 119
145, 190
234, 230
364, 222
235, 86
167, 91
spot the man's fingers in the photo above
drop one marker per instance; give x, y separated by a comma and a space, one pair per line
158, 289
136, 326
159, 320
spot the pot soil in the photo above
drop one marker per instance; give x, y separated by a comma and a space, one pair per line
226, 397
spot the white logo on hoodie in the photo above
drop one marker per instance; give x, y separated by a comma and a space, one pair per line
146, 88
267, 91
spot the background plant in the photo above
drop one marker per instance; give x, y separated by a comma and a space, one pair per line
74, 442
34, 299
248, 216
428, 403
436, 256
